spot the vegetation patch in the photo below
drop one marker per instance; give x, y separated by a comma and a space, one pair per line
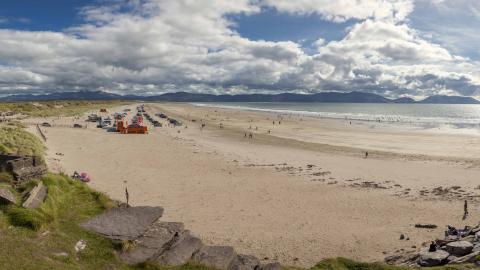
56, 108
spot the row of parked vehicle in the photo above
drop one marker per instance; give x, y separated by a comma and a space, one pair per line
154, 122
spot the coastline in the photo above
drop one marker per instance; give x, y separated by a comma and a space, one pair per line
263, 197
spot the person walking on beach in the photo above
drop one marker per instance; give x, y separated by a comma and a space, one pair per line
366, 154
465, 210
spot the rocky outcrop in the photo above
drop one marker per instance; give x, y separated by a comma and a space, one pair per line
7, 197
36, 196
166, 243
23, 168
218, 257
459, 248
153, 242
429, 259
124, 223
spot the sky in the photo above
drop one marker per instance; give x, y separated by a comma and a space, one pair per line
395, 48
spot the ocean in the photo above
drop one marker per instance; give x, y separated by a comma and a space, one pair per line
455, 116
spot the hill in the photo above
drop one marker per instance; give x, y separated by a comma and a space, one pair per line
332, 97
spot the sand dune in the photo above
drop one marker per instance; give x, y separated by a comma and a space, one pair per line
300, 194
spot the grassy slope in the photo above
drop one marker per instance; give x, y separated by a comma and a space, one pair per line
56, 108
33, 239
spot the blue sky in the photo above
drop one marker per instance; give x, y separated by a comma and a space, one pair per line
395, 48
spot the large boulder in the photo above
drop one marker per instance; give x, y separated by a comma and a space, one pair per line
470, 258
36, 196
7, 197
124, 223
271, 266
153, 242
180, 251
245, 262
435, 258
218, 257
459, 248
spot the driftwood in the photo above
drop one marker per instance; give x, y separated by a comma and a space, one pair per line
426, 226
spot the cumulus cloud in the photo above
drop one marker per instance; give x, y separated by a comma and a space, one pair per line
154, 46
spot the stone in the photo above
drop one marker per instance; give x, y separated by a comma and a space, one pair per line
153, 242
245, 262
36, 196
7, 197
459, 248
80, 245
470, 258
124, 224
429, 259
180, 251
218, 257
271, 266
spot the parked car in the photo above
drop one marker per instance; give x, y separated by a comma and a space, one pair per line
157, 124
46, 124
77, 126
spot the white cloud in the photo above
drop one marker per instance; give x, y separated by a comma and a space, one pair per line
154, 46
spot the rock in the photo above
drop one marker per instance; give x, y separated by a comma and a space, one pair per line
36, 196
153, 242
60, 254
429, 259
459, 248
271, 266
180, 251
80, 245
245, 262
470, 258
124, 223
6, 196
218, 257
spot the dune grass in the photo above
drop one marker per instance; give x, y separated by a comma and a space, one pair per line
56, 108
15, 139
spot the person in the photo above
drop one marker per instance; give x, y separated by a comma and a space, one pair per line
245, 135
250, 136
76, 174
366, 154
465, 210
127, 196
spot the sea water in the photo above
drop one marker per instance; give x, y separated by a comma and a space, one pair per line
455, 116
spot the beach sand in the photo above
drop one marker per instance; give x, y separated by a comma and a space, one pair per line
300, 194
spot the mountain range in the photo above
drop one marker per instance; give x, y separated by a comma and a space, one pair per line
351, 97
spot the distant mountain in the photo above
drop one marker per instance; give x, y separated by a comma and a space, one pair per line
334, 97
80, 95
449, 100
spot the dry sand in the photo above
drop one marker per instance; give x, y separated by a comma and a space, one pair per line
300, 194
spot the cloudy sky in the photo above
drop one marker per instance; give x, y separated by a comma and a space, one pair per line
391, 47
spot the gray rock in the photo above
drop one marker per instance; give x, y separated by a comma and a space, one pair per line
6, 196
124, 223
459, 248
180, 251
271, 266
245, 262
218, 257
470, 258
36, 196
153, 242
428, 259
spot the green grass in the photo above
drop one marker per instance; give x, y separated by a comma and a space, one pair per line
56, 108
15, 139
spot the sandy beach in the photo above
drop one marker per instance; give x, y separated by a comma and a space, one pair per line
297, 192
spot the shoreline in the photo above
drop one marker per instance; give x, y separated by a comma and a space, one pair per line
274, 197
397, 125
